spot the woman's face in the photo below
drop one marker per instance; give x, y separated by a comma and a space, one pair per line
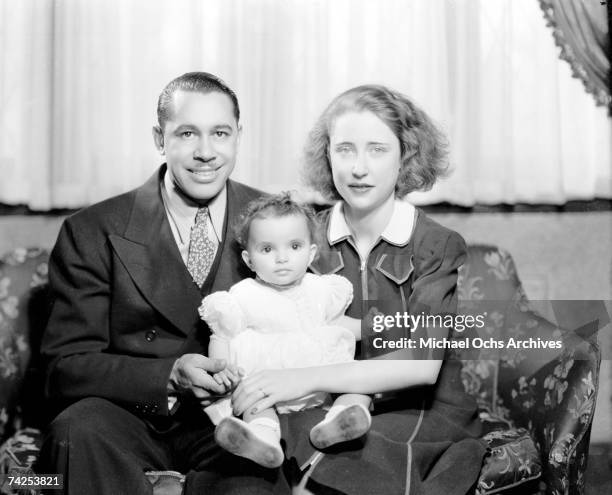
365, 159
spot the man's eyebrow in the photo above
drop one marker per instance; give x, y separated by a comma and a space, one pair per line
185, 126
223, 127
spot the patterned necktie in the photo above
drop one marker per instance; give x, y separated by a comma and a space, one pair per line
201, 248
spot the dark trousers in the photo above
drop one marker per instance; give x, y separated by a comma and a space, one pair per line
102, 448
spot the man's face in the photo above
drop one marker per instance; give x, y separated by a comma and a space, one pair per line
200, 140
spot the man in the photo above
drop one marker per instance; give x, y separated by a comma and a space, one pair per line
124, 338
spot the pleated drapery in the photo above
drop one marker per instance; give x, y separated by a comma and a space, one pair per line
79, 83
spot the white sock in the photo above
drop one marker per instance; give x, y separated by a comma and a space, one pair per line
219, 410
334, 411
337, 409
266, 429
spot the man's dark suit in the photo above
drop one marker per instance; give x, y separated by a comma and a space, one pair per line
125, 308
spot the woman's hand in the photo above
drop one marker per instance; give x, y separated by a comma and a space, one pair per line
263, 389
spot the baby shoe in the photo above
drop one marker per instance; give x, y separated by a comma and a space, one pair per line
348, 424
252, 441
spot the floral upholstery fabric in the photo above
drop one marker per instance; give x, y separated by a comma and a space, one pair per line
23, 311
23, 278
548, 393
513, 458
17, 456
537, 412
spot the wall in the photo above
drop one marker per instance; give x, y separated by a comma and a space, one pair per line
559, 256
28, 231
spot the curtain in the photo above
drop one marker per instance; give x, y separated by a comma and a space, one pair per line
522, 129
79, 85
580, 29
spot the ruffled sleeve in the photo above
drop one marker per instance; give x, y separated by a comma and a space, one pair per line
340, 295
221, 311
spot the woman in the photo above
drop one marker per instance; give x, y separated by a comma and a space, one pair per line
369, 148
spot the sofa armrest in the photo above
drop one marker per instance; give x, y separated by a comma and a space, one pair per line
556, 403
569, 415
578, 465
549, 391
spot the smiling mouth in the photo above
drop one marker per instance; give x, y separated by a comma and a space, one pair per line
203, 171
204, 175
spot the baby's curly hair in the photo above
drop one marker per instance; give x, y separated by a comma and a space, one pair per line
277, 205
423, 147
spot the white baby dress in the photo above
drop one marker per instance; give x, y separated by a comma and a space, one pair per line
271, 328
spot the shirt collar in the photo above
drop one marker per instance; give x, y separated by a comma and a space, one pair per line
398, 231
185, 209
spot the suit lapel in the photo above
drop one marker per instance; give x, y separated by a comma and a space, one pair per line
150, 255
231, 268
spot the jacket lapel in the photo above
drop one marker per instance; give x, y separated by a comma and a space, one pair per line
150, 255
231, 268
395, 265
328, 260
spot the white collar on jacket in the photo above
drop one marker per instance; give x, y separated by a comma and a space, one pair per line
398, 231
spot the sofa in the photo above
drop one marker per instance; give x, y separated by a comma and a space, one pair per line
536, 406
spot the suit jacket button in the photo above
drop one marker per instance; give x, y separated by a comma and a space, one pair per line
151, 335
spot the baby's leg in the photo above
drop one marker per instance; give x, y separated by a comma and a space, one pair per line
219, 410
257, 438
348, 419
269, 413
266, 424
353, 399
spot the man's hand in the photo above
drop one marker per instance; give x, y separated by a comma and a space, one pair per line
191, 374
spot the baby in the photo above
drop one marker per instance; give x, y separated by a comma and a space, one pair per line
284, 318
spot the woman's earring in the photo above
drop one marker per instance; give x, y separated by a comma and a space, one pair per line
162, 151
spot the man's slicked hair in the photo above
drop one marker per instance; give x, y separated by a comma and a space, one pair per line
198, 82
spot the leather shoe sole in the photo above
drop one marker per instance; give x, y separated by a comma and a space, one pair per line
349, 424
235, 436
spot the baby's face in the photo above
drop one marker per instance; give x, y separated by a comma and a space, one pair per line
279, 249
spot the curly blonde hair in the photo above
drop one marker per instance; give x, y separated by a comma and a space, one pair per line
423, 147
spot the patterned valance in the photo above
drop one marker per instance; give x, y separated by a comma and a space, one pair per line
580, 29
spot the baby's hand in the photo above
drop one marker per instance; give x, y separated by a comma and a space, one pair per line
229, 377
224, 378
